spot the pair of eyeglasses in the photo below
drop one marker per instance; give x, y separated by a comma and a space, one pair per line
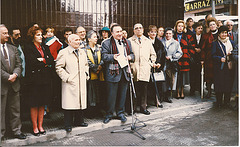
229, 25
137, 28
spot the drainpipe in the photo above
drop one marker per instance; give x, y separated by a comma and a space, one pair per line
213, 8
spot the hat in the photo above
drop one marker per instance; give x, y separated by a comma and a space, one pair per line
104, 29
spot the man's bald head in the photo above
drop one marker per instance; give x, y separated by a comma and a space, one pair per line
81, 32
74, 41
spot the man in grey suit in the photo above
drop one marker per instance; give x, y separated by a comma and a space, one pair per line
117, 76
10, 86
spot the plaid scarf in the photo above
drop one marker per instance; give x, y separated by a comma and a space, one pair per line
114, 67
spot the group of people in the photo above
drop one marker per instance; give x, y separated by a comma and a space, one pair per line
87, 71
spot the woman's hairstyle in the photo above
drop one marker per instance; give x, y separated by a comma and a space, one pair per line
50, 29
168, 29
32, 31
197, 24
152, 27
184, 26
89, 34
222, 29
212, 19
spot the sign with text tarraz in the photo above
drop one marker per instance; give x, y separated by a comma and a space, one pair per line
200, 4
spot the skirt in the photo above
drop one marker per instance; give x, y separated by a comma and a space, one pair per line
183, 79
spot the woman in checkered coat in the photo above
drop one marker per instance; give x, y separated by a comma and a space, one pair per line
206, 57
188, 49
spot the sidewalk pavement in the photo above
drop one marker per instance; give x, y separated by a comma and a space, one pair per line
54, 125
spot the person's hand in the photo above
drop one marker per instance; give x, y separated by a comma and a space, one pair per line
223, 60
99, 68
115, 56
197, 50
167, 57
40, 59
158, 65
154, 65
12, 78
129, 57
229, 53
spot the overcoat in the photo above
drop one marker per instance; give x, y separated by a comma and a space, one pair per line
73, 70
39, 75
188, 50
207, 57
145, 56
223, 78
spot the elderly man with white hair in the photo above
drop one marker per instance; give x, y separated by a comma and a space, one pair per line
72, 68
145, 57
232, 35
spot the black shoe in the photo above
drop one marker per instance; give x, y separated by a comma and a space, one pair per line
182, 97
107, 120
36, 134
43, 132
146, 112
68, 129
83, 124
20, 136
160, 105
167, 100
122, 118
130, 113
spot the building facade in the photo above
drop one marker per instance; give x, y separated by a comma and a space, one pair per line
91, 14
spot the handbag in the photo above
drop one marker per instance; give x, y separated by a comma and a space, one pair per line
159, 76
175, 66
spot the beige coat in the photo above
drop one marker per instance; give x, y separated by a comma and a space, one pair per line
74, 72
145, 56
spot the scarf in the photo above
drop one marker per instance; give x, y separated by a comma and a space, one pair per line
227, 44
114, 67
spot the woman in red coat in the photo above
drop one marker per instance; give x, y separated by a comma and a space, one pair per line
206, 57
188, 49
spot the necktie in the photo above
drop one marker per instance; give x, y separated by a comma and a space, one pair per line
119, 42
6, 57
76, 51
139, 39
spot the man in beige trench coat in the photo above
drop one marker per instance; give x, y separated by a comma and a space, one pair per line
72, 68
145, 58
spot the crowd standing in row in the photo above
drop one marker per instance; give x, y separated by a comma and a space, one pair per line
86, 71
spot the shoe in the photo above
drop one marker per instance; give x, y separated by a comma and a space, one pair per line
146, 112
68, 129
36, 134
20, 136
178, 97
159, 105
83, 124
182, 97
42, 132
107, 120
122, 118
167, 100
130, 113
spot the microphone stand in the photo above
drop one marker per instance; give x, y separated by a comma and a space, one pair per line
134, 127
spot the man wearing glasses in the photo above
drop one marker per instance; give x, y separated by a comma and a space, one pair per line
145, 58
81, 32
232, 35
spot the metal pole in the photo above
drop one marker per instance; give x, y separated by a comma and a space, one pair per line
213, 8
